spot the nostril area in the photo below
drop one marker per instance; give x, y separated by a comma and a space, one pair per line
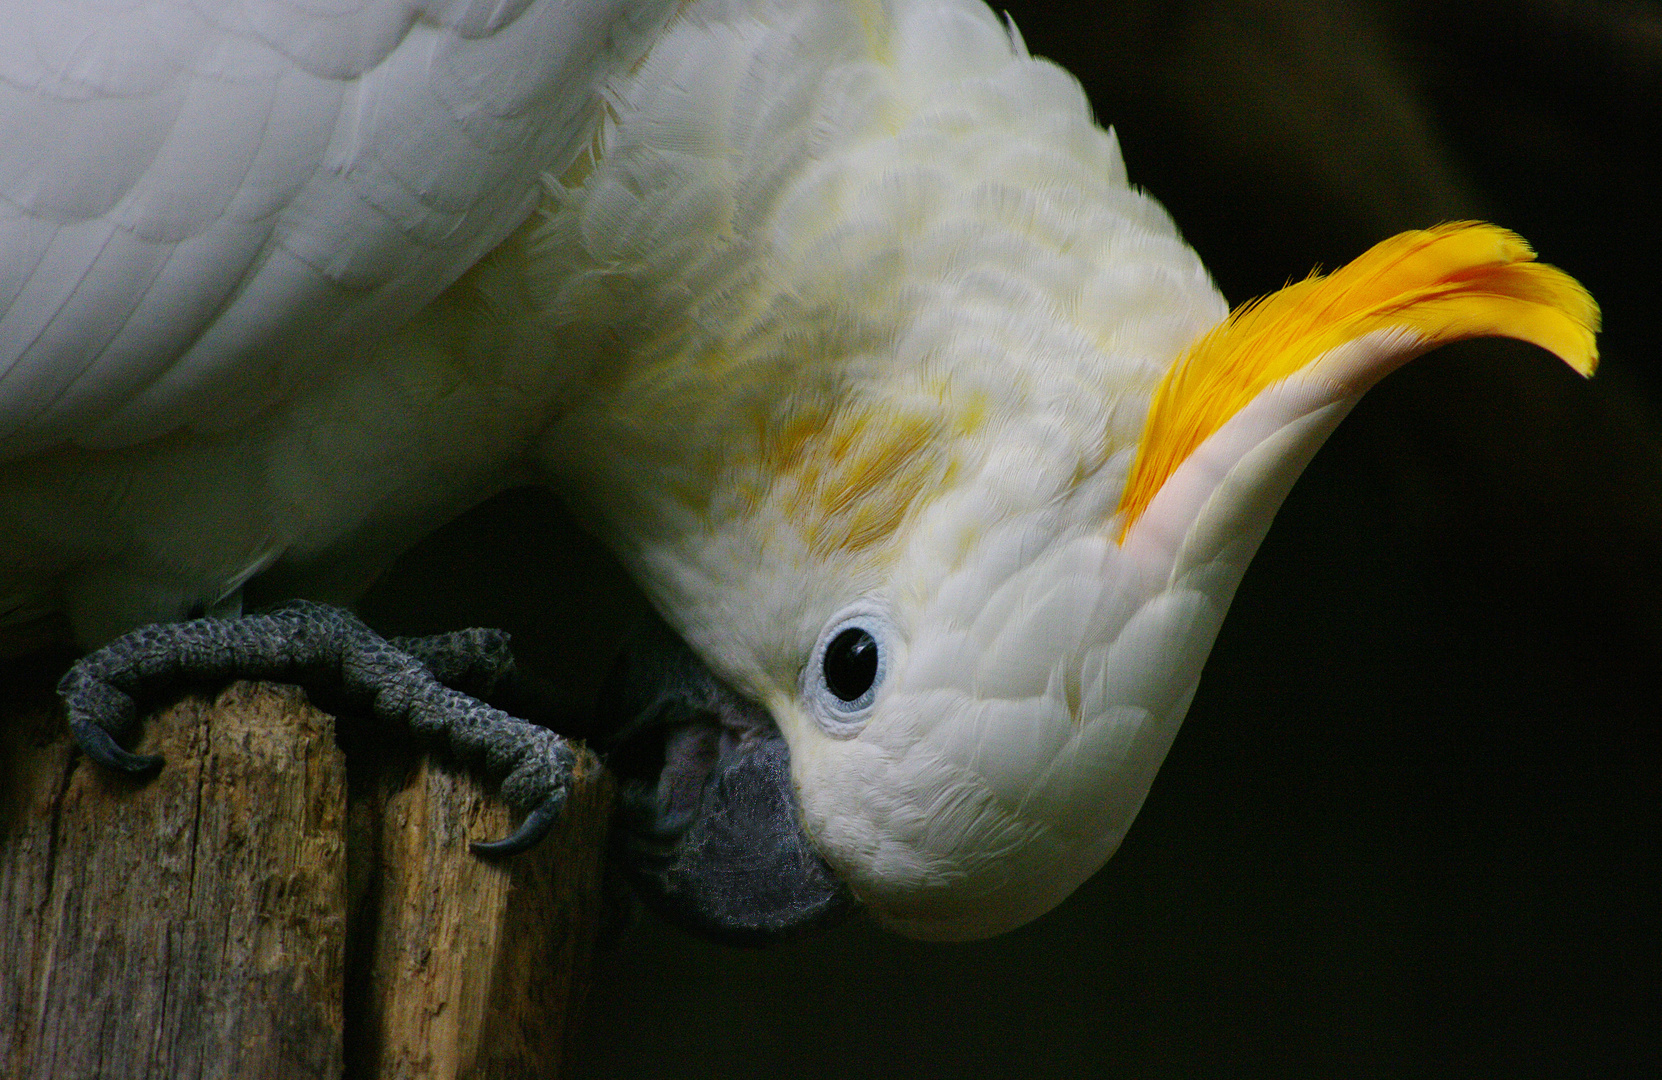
690, 753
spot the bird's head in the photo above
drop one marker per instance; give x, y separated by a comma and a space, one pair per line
931, 441
943, 641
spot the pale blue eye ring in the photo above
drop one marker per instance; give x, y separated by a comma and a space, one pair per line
849, 663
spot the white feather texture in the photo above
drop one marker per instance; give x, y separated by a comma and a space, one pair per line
358, 160
218, 221
920, 239
817, 312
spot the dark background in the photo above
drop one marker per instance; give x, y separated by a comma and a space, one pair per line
1410, 826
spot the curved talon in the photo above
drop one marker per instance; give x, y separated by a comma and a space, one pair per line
100, 746
334, 654
530, 832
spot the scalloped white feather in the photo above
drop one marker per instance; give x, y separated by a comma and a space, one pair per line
807, 307
205, 205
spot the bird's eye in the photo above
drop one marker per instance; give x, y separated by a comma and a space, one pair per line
850, 664
847, 669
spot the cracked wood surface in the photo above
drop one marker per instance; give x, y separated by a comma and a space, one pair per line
248, 913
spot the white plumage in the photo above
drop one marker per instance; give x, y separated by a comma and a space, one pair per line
207, 204
821, 315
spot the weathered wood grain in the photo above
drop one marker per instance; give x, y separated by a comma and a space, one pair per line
244, 913
476, 968
189, 925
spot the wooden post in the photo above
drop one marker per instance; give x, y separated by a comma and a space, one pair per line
247, 913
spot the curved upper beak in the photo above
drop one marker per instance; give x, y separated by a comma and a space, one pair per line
708, 830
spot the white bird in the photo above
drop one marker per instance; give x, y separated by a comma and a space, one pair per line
839, 323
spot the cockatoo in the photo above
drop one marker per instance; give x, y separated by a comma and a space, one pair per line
926, 434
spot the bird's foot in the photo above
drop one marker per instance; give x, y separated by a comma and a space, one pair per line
428, 684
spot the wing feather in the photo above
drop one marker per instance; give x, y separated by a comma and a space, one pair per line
204, 206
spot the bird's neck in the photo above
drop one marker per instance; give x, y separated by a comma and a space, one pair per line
819, 265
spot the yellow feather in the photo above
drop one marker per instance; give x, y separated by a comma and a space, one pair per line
854, 475
1455, 281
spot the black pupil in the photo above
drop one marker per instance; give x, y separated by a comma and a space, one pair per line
851, 664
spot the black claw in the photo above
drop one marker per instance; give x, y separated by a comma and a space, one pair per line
346, 667
101, 747
529, 834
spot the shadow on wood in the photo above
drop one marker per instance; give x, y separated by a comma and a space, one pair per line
247, 913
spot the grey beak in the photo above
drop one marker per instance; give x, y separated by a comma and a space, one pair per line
709, 833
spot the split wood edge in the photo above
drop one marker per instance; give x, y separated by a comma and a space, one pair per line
249, 911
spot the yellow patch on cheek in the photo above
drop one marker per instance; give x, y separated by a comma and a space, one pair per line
848, 479
869, 465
